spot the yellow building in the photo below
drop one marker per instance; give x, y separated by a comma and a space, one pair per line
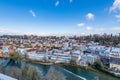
0, 53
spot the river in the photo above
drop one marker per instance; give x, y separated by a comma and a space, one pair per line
71, 73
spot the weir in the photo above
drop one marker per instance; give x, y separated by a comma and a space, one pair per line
75, 74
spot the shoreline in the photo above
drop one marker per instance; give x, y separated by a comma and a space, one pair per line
91, 68
77, 66
106, 71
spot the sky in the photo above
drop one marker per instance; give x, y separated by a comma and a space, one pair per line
59, 17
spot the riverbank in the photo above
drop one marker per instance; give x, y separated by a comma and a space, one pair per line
76, 70
92, 68
106, 71
86, 68
39, 62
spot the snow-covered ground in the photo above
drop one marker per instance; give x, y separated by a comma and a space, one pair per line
5, 77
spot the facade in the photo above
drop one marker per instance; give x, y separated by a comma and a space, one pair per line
91, 58
0, 52
115, 59
5, 49
84, 59
60, 57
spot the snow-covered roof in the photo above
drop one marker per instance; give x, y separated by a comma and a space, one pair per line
116, 50
113, 50
76, 52
98, 47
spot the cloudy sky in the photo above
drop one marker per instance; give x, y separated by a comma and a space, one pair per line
50, 17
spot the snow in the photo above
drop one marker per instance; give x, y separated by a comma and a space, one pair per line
4, 77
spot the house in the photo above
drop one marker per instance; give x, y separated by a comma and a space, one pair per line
5, 49
75, 55
114, 57
65, 45
96, 49
83, 47
84, 59
1, 52
61, 58
82, 62
32, 54
90, 58
118, 45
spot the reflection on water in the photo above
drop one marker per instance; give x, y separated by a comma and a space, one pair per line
90, 75
71, 73
44, 68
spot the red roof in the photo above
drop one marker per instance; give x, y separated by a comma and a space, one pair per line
30, 50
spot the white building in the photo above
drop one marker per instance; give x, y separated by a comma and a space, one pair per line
91, 58
61, 58
115, 59
86, 58
5, 49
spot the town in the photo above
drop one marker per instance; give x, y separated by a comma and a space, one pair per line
59, 39
81, 51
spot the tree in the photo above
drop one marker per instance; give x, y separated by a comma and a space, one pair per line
15, 72
24, 71
2, 69
31, 73
25, 56
73, 59
98, 64
16, 56
54, 75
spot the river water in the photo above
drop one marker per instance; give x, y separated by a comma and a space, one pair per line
71, 73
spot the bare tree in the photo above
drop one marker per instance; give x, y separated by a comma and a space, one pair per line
54, 75
15, 72
2, 69
31, 73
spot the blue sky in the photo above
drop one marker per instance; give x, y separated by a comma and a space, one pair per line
59, 17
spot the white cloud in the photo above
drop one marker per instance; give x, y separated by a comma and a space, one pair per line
116, 28
81, 24
111, 29
9, 31
90, 16
3, 30
101, 29
115, 6
57, 3
88, 28
117, 16
83, 33
71, 1
32, 13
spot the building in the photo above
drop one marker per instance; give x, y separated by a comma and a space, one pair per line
84, 59
0, 52
61, 58
115, 59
